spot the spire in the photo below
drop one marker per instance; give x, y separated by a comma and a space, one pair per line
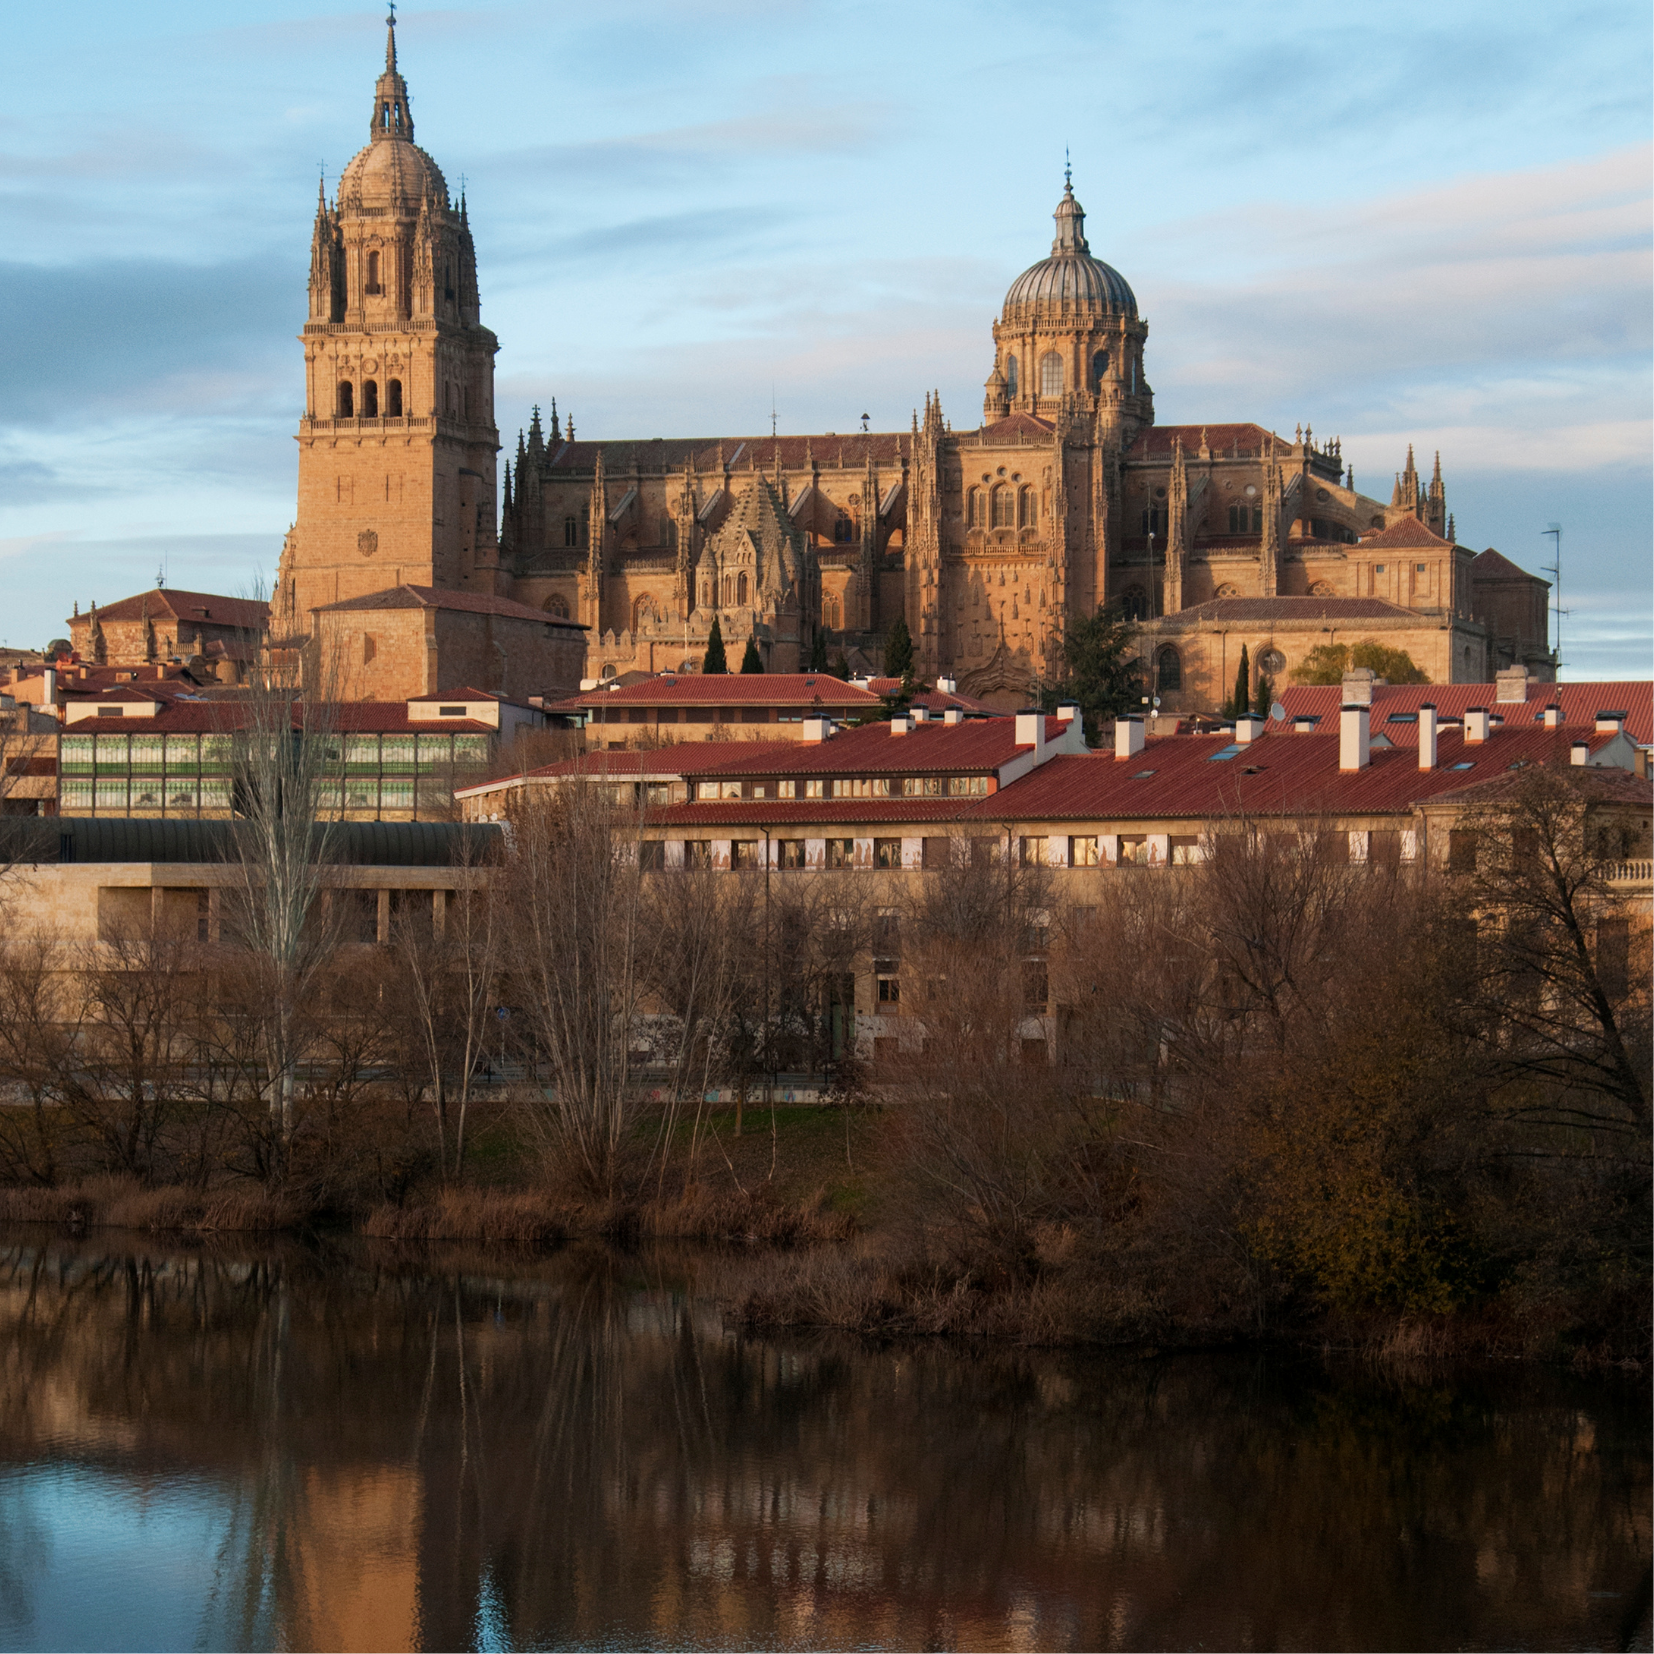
1070, 219
556, 434
1452, 529
392, 117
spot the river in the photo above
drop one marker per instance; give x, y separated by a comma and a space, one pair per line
334, 1445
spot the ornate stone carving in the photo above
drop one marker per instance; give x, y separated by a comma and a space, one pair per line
367, 542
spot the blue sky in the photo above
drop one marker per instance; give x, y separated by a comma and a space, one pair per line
1398, 222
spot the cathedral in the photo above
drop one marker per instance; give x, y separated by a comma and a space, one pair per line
422, 572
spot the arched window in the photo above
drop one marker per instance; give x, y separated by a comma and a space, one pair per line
373, 273
393, 398
728, 597
347, 399
706, 594
571, 531
448, 282
556, 605
1005, 505
740, 590
370, 398
1028, 508
1050, 374
1099, 369
841, 529
1011, 375
643, 611
974, 508
1132, 603
1168, 668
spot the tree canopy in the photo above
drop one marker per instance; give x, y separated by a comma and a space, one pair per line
818, 651
752, 661
714, 660
898, 651
1328, 662
1099, 670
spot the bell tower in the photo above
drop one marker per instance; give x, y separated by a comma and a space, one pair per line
397, 441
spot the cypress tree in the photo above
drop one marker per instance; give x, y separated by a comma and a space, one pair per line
714, 660
1242, 698
1266, 694
898, 651
818, 651
752, 661
841, 666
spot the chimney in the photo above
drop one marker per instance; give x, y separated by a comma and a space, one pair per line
1511, 684
921, 714
1304, 726
1580, 752
948, 686
1354, 738
1068, 711
900, 725
817, 730
1475, 724
1553, 716
1610, 723
1128, 736
1427, 736
1248, 729
953, 715
1031, 730
48, 695
1358, 686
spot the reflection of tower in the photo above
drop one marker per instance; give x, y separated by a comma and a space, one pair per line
397, 442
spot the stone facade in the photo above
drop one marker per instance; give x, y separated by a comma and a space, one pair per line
989, 542
221, 634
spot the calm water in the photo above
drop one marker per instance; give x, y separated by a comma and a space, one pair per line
347, 1449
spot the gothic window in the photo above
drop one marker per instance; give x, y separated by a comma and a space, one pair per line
1004, 507
1323, 588
1011, 374
728, 597
973, 505
1168, 668
370, 398
393, 398
706, 594
448, 282
740, 590
1050, 374
841, 529
571, 531
1154, 519
1132, 603
347, 399
373, 273
1245, 519
1099, 369
555, 605
643, 611
1028, 508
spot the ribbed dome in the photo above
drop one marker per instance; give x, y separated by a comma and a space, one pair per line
1070, 277
391, 174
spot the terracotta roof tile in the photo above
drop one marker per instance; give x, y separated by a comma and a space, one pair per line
1493, 565
1017, 424
1408, 532
978, 745
1580, 704
1156, 442
242, 613
408, 596
857, 447
802, 689
1244, 610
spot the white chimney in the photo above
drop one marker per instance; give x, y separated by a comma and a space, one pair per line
1511, 684
1553, 716
817, 729
900, 725
1427, 736
1304, 726
1031, 730
948, 686
48, 695
1475, 724
1610, 723
953, 715
921, 714
1580, 752
1128, 736
1068, 711
588, 684
1248, 729
1354, 738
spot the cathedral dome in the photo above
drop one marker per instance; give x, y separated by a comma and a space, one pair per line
393, 175
1070, 278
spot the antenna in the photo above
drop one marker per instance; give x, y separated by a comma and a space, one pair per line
1554, 533
772, 410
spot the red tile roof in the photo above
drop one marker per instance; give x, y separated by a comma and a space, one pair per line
801, 689
1247, 438
1580, 704
937, 700
1017, 424
218, 717
1255, 610
1594, 784
976, 746
1408, 532
740, 454
408, 596
683, 758
243, 613
1493, 565
1285, 774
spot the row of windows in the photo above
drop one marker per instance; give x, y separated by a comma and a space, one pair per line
1005, 506
1051, 373
182, 795
1082, 850
875, 786
370, 399
186, 755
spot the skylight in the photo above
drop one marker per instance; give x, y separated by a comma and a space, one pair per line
1227, 752
1142, 775
1402, 718
1466, 764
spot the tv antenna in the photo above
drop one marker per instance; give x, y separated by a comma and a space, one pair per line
1554, 532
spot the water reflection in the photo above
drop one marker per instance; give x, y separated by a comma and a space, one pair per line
333, 1447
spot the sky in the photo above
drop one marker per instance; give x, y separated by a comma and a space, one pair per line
1400, 222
